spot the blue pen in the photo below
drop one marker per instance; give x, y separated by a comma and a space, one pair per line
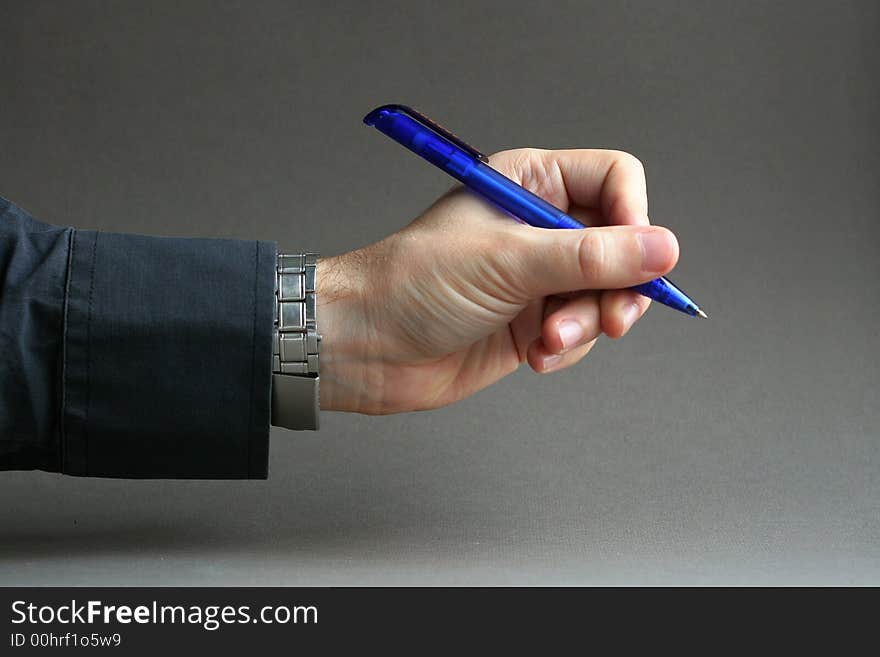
443, 149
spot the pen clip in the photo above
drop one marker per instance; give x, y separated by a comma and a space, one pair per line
438, 129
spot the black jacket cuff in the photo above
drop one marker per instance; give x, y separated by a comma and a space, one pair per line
167, 357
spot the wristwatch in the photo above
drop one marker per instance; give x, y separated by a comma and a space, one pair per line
296, 342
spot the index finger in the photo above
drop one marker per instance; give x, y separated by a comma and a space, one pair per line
608, 180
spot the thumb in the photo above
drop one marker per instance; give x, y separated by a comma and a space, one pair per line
551, 261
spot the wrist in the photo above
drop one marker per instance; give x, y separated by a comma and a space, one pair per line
344, 323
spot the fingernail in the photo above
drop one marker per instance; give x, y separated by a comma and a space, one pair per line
571, 333
656, 249
630, 315
550, 362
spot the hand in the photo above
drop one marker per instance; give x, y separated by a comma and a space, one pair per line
464, 294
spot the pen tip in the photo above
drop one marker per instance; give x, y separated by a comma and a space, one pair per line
702, 314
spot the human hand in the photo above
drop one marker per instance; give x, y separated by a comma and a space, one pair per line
464, 294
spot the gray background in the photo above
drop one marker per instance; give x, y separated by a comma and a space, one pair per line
739, 450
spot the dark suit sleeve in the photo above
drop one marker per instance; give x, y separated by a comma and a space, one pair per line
133, 356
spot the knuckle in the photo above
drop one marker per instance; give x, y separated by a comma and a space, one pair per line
630, 161
528, 166
506, 156
592, 256
536, 171
519, 159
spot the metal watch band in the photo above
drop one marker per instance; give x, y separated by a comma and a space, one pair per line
295, 350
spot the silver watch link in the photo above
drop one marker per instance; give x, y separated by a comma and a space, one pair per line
295, 343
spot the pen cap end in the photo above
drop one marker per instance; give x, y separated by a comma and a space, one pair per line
380, 113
